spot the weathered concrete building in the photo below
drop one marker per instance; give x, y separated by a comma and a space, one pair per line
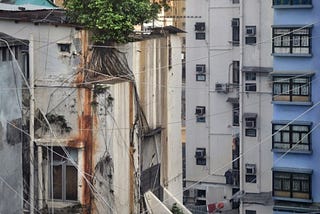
99, 139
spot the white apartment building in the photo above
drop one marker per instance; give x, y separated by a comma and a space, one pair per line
228, 106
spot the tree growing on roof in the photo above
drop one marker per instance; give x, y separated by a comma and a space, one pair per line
112, 20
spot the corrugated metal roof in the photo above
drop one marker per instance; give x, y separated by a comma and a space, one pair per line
11, 40
36, 2
20, 7
54, 16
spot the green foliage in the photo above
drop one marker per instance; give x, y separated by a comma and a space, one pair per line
112, 20
175, 209
60, 121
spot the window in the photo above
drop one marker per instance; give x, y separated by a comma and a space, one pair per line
200, 28
235, 72
292, 2
200, 156
250, 124
251, 173
251, 212
250, 35
6, 54
64, 175
201, 72
293, 136
251, 87
235, 1
201, 193
64, 47
292, 185
235, 23
200, 114
291, 40
251, 76
291, 88
200, 36
235, 114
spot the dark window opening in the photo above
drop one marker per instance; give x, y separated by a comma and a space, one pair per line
200, 156
64, 47
235, 72
250, 87
251, 173
235, 24
200, 114
200, 36
64, 178
235, 114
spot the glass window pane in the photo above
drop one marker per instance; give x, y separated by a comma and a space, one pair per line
286, 185
304, 41
276, 89
277, 184
295, 137
277, 137
285, 137
285, 89
300, 128
296, 41
286, 41
71, 183
296, 89
305, 186
277, 41
296, 185
304, 90
300, 80
57, 182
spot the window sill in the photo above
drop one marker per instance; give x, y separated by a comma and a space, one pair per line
58, 204
292, 151
292, 103
291, 55
307, 6
292, 199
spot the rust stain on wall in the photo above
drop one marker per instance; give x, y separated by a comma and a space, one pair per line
85, 138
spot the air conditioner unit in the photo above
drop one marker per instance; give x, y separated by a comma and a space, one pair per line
250, 30
250, 169
222, 87
200, 26
200, 68
235, 23
200, 110
250, 124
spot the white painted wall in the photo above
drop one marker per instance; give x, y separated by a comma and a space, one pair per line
217, 53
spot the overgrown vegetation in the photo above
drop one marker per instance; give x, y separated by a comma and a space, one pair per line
175, 209
112, 20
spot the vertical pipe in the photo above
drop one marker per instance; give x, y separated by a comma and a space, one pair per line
131, 151
241, 146
31, 124
260, 94
40, 180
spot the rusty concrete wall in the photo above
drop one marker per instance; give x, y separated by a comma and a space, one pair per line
10, 146
157, 68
